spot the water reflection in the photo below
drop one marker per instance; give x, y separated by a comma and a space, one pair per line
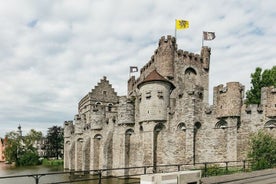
9, 170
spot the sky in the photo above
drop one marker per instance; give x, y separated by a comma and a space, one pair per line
53, 52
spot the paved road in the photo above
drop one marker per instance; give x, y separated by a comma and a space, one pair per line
257, 177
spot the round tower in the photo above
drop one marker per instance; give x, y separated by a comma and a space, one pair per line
155, 97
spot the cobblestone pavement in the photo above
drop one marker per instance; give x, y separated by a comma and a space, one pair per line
257, 177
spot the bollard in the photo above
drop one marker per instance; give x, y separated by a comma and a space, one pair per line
205, 169
226, 167
100, 176
243, 165
145, 170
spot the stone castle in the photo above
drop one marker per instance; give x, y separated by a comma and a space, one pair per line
165, 117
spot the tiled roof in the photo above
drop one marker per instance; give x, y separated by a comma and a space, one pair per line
155, 76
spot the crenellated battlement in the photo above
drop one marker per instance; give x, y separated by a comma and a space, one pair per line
167, 40
268, 101
253, 109
189, 55
166, 117
228, 99
68, 129
150, 63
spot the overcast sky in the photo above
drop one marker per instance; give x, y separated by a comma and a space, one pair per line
52, 53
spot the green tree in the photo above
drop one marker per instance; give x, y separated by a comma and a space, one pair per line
13, 147
54, 142
262, 150
20, 149
260, 79
31, 138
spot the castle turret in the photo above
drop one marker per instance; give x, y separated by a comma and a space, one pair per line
164, 56
97, 116
228, 99
79, 124
154, 97
205, 55
268, 100
68, 129
125, 111
163, 59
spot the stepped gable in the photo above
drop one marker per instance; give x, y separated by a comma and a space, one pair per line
155, 76
104, 92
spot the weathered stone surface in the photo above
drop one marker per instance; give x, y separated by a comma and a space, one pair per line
165, 117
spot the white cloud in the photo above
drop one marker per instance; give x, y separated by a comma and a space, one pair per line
54, 52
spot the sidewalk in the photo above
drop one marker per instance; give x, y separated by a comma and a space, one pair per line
237, 176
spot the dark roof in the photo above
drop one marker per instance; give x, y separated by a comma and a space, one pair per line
155, 76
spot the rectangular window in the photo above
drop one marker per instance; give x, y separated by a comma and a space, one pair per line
160, 94
148, 94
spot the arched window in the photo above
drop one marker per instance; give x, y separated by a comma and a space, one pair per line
109, 107
80, 140
270, 124
181, 126
190, 71
159, 127
98, 136
221, 124
197, 125
190, 78
129, 132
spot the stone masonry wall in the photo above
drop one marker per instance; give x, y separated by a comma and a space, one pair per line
160, 124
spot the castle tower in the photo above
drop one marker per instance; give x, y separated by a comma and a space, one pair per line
228, 99
68, 129
154, 97
125, 111
228, 103
79, 124
164, 56
268, 101
205, 54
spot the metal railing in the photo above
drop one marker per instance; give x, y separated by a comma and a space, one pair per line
97, 176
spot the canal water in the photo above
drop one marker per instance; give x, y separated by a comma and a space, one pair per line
9, 170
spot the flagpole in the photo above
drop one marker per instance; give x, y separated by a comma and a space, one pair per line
202, 41
175, 29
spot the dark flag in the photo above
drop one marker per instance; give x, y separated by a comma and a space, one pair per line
133, 69
209, 35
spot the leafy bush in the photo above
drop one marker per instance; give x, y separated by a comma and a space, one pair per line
29, 158
262, 150
213, 170
52, 162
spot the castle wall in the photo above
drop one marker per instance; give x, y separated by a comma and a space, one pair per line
268, 99
165, 120
228, 99
125, 111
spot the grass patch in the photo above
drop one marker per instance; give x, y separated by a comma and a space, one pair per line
52, 162
216, 170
